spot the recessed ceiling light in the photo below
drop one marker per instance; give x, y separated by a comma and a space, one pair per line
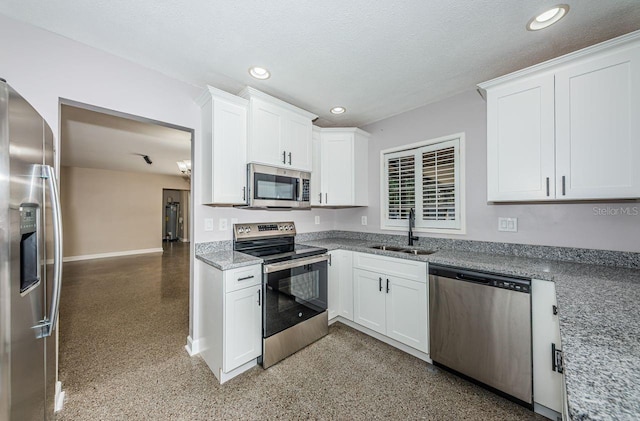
548, 18
338, 110
259, 72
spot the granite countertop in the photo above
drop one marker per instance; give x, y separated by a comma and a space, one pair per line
599, 315
228, 259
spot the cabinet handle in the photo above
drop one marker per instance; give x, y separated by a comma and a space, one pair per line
326, 198
387, 285
564, 191
259, 298
289, 158
244, 194
320, 198
380, 284
245, 278
547, 186
284, 157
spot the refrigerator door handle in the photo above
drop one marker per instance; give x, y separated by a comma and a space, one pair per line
49, 323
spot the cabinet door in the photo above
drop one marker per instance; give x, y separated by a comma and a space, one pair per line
545, 330
296, 142
407, 312
337, 168
242, 327
345, 259
598, 127
520, 140
229, 158
316, 169
333, 293
341, 284
265, 133
369, 300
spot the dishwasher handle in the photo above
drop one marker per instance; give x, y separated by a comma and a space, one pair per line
472, 278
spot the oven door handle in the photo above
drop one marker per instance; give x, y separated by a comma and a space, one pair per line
290, 264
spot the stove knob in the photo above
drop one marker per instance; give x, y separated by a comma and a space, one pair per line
280, 227
240, 230
291, 227
247, 230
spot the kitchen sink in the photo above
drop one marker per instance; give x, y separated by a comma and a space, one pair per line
419, 252
403, 250
388, 248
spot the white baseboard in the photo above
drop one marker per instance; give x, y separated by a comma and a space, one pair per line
192, 347
111, 254
59, 397
412, 351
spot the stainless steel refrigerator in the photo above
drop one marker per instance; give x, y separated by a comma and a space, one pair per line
30, 261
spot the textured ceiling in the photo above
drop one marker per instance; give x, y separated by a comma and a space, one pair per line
92, 139
376, 58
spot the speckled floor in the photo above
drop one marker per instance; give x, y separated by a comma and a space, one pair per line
124, 322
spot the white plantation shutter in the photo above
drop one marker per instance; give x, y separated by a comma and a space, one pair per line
436, 196
401, 182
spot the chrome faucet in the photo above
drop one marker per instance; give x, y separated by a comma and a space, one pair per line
412, 225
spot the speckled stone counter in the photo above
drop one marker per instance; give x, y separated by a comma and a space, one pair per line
227, 259
599, 314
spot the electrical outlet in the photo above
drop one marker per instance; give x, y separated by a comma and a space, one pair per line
223, 224
508, 224
208, 224
317, 220
363, 219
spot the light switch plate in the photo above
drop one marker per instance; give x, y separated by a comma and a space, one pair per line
317, 220
208, 224
223, 224
508, 224
363, 219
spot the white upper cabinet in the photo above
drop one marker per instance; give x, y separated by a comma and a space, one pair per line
316, 167
224, 147
279, 133
567, 129
598, 127
520, 153
344, 168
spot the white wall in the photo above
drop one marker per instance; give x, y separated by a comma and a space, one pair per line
571, 225
113, 211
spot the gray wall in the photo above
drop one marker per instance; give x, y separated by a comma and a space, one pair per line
561, 224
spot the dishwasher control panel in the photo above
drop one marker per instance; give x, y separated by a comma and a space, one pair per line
511, 285
488, 279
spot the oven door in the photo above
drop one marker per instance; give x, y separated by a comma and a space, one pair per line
293, 291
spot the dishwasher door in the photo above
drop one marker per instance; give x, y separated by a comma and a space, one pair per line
480, 326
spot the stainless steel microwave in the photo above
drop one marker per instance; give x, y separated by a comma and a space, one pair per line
272, 187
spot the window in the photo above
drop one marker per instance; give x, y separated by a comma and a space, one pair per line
426, 177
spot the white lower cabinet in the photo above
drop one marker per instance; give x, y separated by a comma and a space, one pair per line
369, 300
340, 285
392, 305
230, 318
547, 383
242, 326
407, 312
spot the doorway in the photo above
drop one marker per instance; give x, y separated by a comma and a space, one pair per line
114, 168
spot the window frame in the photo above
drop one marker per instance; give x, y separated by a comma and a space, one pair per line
431, 144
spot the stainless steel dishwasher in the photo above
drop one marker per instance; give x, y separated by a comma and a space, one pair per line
480, 327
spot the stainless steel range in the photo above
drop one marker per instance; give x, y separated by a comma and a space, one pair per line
294, 287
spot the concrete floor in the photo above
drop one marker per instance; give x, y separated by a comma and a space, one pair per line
123, 327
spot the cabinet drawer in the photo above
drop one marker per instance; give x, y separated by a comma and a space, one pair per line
244, 277
408, 269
